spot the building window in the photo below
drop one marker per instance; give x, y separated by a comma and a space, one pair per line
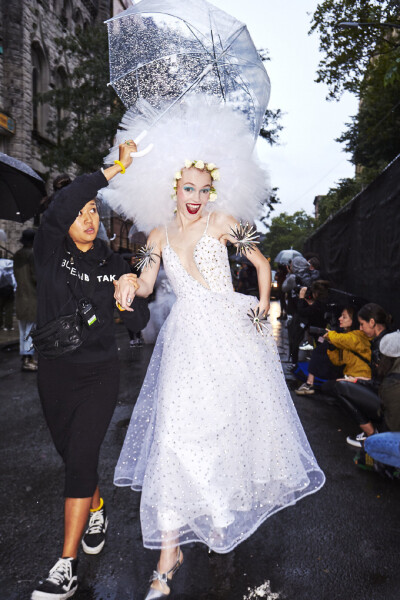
67, 15
61, 82
40, 84
78, 20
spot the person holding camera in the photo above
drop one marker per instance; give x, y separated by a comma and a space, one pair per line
347, 353
310, 311
78, 369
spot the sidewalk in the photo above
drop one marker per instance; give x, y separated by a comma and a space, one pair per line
10, 338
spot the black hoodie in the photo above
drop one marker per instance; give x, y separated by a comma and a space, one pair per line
90, 274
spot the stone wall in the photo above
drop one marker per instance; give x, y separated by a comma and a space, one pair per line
24, 24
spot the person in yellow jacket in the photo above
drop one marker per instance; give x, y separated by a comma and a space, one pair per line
352, 352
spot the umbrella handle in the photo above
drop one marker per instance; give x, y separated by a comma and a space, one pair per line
146, 150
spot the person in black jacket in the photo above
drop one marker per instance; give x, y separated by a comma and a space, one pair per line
308, 312
79, 390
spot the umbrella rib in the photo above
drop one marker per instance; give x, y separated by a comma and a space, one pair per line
216, 63
198, 39
232, 40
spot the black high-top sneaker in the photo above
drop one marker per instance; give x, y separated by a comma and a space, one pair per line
95, 535
61, 582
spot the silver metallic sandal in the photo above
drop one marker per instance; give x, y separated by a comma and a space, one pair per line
163, 578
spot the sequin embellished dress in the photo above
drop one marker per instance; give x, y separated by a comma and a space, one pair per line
214, 442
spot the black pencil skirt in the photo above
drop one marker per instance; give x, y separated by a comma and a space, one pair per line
78, 401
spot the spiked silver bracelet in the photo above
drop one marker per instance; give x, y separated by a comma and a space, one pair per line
259, 320
146, 256
245, 237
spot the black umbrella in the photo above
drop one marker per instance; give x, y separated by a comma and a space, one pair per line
21, 190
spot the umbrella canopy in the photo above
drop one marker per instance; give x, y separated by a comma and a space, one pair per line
21, 190
161, 50
284, 256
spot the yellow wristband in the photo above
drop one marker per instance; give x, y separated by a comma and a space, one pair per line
118, 162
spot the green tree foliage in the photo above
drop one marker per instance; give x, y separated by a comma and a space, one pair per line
287, 231
373, 137
366, 62
87, 111
269, 205
348, 51
337, 197
271, 126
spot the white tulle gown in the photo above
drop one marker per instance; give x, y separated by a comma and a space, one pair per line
160, 308
214, 442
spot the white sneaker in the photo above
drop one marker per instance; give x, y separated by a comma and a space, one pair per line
61, 582
306, 347
358, 441
306, 389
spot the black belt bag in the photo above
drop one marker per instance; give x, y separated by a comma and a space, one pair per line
65, 334
60, 336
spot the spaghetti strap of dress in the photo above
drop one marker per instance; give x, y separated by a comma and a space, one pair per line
208, 220
166, 234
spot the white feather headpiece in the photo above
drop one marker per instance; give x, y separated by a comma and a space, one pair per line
194, 130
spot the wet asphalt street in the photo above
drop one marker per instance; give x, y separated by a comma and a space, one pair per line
339, 544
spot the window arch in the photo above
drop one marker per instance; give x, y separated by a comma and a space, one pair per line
67, 14
61, 82
78, 19
40, 84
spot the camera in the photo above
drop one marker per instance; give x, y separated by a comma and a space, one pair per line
308, 295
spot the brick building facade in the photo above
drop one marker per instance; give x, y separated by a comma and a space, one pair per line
30, 62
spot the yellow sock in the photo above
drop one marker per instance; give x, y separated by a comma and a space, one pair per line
99, 507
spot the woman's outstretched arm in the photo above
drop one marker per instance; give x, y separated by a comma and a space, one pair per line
128, 286
228, 223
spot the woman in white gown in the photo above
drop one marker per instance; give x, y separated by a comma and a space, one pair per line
214, 443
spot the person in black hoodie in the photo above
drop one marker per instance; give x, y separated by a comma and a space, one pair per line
78, 390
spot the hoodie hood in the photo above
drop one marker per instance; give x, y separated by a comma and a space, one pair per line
300, 266
99, 252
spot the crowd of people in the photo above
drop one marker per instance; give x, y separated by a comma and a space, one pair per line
351, 356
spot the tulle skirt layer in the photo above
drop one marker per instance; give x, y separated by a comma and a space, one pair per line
214, 443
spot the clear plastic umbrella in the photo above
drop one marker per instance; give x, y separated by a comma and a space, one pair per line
162, 50
284, 256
